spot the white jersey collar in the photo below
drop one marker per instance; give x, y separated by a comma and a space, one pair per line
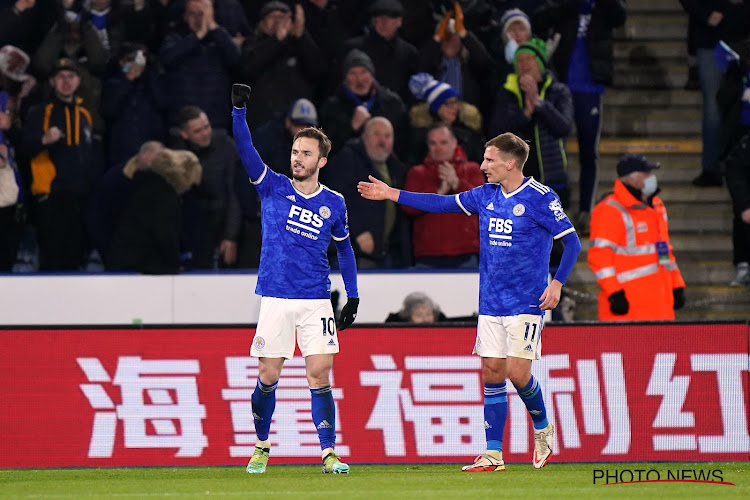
518, 189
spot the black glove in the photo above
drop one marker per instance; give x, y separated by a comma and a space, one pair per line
618, 303
679, 298
240, 95
348, 314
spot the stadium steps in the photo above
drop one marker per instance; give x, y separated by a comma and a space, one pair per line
648, 112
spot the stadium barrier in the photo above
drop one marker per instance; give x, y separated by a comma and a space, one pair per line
206, 298
127, 396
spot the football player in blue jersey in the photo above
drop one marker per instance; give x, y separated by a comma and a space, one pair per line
299, 217
518, 220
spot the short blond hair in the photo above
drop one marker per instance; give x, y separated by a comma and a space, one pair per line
511, 145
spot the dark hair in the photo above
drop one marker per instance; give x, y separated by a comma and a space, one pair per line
438, 124
186, 114
324, 143
511, 145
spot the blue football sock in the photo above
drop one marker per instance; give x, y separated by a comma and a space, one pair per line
532, 398
263, 403
495, 414
324, 415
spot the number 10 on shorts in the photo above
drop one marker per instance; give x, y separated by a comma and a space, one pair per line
329, 326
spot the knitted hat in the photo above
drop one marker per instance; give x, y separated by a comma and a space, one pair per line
537, 48
511, 16
356, 57
425, 87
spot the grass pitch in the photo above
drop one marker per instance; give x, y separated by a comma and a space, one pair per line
556, 481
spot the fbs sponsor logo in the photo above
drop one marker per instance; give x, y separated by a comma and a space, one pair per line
628, 476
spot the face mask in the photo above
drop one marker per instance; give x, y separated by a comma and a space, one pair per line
649, 186
510, 50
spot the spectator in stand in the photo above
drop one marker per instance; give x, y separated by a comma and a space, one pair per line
23, 23
418, 307
273, 139
10, 227
715, 20
379, 231
477, 16
325, 24
630, 253
109, 195
57, 136
281, 62
417, 26
212, 236
539, 110
144, 22
74, 37
229, 14
515, 30
17, 88
738, 181
584, 61
147, 237
134, 97
393, 58
456, 56
105, 17
444, 240
198, 56
359, 98
734, 103
443, 105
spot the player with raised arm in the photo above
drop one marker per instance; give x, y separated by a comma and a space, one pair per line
299, 216
518, 220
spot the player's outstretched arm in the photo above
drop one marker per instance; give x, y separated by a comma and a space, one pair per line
377, 190
427, 202
250, 158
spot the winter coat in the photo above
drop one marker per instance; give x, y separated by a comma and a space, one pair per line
280, 72
134, 110
561, 16
449, 234
198, 71
623, 256
467, 128
545, 130
147, 238
336, 116
344, 170
395, 60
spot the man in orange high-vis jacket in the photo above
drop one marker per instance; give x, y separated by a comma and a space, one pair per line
630, 254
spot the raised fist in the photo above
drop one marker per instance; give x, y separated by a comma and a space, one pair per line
240, 95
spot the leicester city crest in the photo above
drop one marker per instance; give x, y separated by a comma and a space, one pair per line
259, 342
324, 212
519, 210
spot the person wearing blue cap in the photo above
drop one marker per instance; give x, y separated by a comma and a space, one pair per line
630, 254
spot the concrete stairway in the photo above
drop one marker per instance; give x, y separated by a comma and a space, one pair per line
648, 112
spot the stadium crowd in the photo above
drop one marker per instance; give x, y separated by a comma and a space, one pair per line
100, 99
